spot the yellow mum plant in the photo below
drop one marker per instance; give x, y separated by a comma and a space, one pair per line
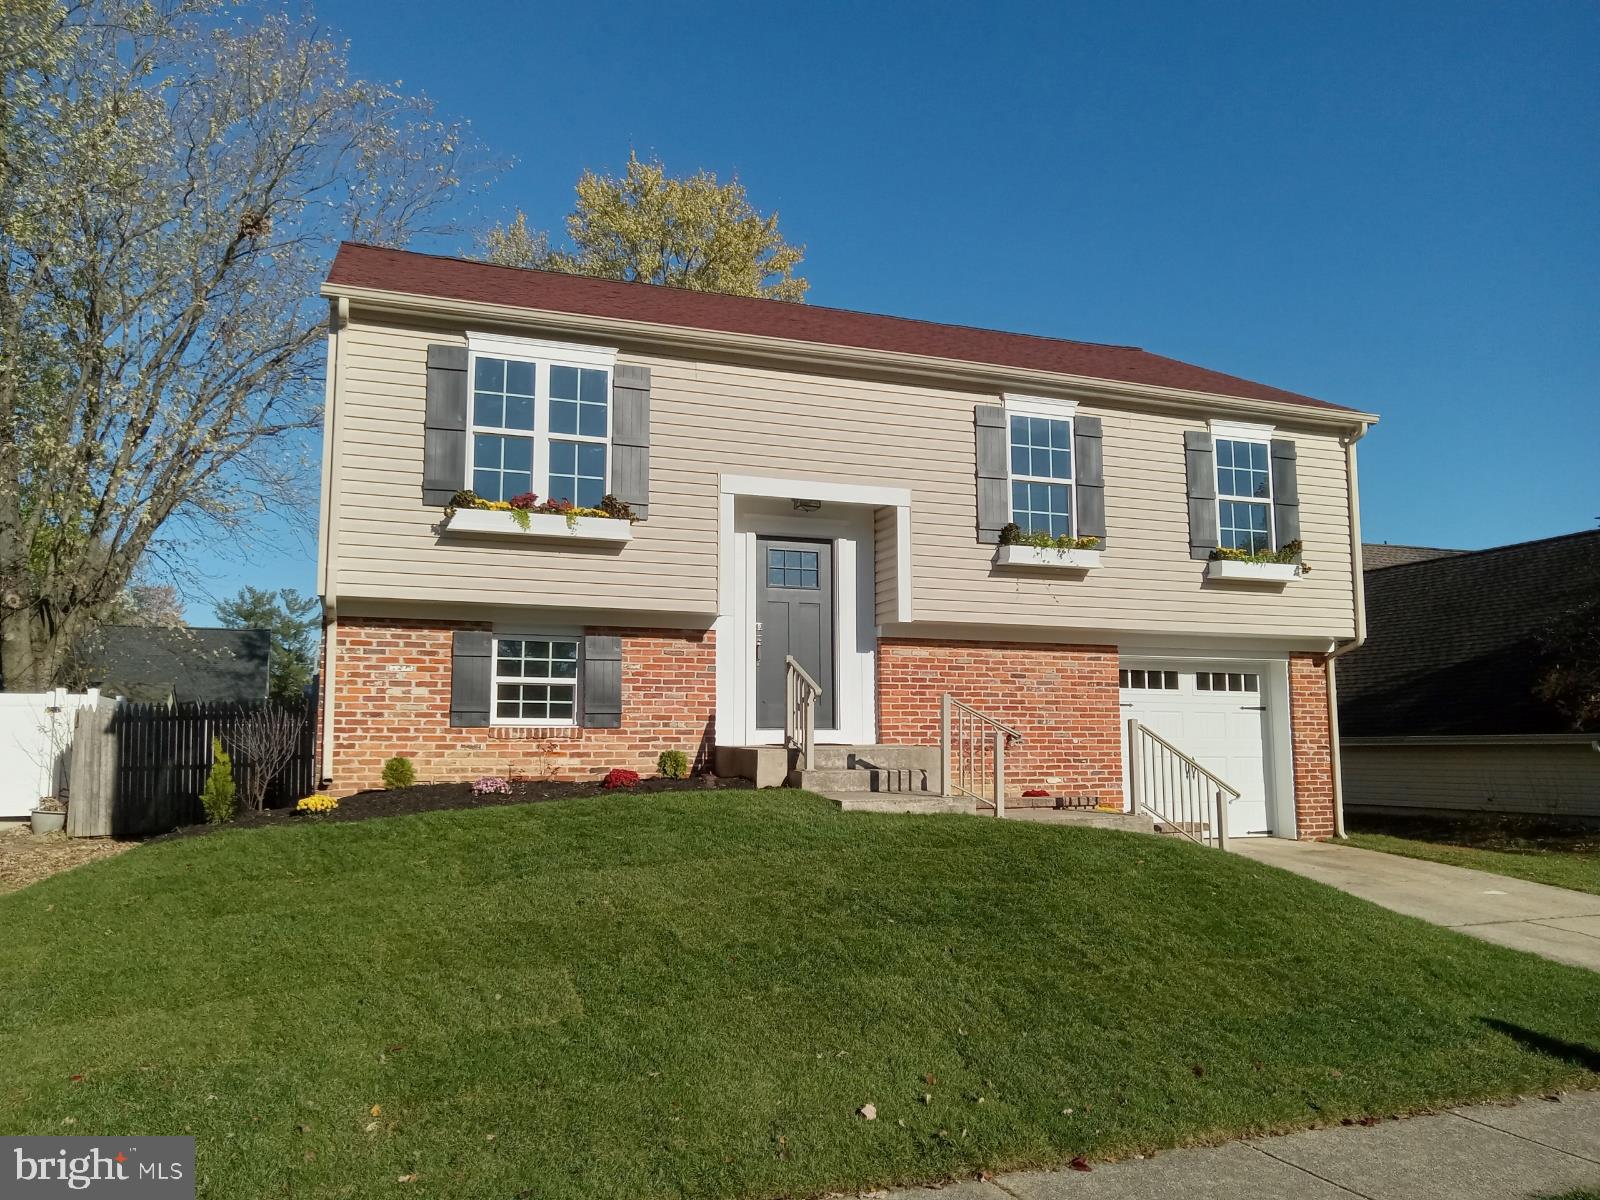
319, 803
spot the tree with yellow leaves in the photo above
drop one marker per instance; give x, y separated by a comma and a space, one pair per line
649, 227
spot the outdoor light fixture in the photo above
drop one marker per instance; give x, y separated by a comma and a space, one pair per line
806, 505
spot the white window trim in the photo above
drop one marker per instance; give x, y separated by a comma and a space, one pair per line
1240, 431
1038, 406
542, 355
1053, 410
524, 635
1261, 435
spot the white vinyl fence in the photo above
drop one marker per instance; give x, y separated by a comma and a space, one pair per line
36, 731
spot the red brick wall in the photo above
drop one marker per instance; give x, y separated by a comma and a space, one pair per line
1312, 740
1062, 699
391, 695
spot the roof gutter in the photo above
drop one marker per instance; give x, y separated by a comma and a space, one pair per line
986, 376
1359, 596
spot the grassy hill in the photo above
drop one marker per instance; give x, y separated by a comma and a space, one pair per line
695, 994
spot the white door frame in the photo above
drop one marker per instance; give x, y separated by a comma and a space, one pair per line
752, 507
1278, 768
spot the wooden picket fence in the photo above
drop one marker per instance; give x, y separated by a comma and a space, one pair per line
155, 759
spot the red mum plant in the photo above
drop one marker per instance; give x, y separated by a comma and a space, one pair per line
1035, 793
619, 777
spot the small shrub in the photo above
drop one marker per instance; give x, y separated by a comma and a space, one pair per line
218, 798
619, 777
491, 785
673, 764
321, 802
399, 773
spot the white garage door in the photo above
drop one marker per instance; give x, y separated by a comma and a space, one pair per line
1217, 717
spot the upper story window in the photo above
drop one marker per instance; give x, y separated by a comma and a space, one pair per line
540, 420
1041, 465
1244, 488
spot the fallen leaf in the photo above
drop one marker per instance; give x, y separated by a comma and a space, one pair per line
929, 1079
488, 1137
1199, 1071
376, 1109
407, 1179
310, 1155
371, 1126
1369, 1121
75, 1079
395, 1049
869, 1111
927, 1097
1256, 1064
303, 1128
1080, 1164
1335, 1073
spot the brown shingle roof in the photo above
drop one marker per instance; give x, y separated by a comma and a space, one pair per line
1454, 644
1375, 556
358, 265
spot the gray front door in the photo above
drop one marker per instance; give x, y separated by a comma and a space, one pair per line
794, 605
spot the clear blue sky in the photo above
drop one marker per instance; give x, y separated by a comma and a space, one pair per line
1394, 207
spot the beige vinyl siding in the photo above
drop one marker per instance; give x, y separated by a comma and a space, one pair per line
709, 418
885, 546
1561, 780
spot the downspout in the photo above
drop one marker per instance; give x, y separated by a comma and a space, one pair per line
1359, 594
338, 318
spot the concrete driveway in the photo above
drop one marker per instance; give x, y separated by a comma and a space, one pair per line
1557, 923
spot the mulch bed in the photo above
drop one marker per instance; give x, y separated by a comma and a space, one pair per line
26, 859
433, 797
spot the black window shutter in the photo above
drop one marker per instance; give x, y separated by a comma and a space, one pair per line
1089, 476
602, 681
1201, 467
630, 437
444, 438
471, 662
994, 506
1285, 494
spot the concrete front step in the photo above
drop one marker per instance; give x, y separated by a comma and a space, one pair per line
908, 802
898, 780
1083, 818
920, 758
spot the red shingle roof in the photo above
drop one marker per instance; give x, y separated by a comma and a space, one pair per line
415, 274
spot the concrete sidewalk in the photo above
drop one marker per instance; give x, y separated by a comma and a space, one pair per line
1535, 1148
1551, 921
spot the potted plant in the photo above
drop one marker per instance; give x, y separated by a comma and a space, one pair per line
50, 815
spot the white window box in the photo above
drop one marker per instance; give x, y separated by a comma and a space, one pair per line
1052, 559
1249, 572
544, 527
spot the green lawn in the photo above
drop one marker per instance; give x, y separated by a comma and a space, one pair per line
1569, 862
694, 994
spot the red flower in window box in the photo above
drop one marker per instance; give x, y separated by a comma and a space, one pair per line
619, 777
525, 501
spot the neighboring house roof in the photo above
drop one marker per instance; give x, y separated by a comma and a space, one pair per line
362, 266
1454, 643
160, 664
1377, 555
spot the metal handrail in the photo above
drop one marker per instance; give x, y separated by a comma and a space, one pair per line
1179, 803
966, 737
801, 693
